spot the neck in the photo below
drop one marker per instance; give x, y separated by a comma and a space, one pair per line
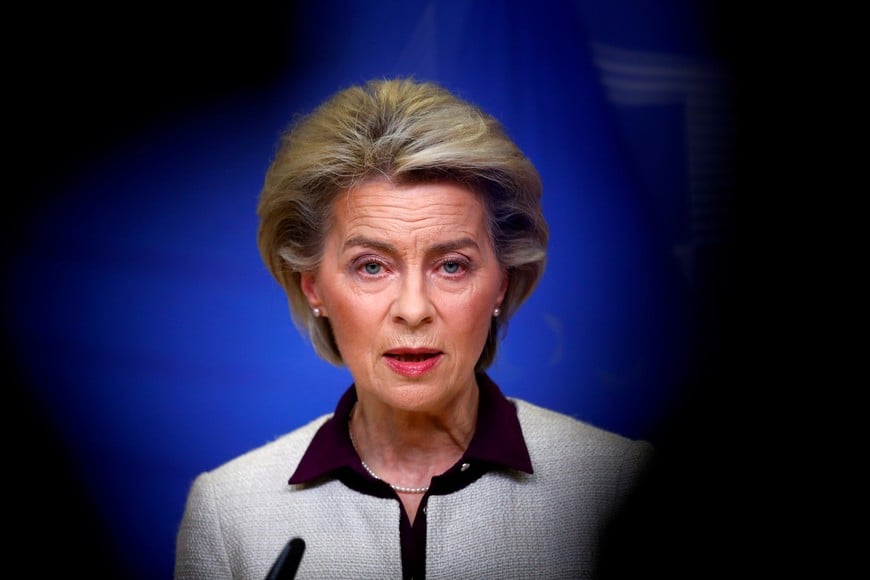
408, 449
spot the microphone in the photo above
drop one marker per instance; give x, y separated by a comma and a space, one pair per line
285, 566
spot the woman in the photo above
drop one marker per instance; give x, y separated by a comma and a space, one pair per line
406, 229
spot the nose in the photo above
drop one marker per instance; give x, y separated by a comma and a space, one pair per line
412, 305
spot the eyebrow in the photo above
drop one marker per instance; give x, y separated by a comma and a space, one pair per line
440, 248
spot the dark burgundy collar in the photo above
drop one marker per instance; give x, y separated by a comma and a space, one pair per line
497, 440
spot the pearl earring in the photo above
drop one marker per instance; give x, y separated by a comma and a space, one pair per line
496, 312
316, 312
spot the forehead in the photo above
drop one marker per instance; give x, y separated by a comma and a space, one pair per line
381, 207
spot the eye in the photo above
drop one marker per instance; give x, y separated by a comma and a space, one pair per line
451, 266
372, 268
454, 268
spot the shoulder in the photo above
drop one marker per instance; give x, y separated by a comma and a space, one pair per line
597, 468
234, 514
270, 464
551, 433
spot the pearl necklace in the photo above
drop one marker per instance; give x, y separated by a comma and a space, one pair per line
398, 488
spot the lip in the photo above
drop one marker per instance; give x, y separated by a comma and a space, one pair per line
412, 362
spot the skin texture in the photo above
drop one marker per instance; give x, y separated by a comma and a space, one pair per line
409, 281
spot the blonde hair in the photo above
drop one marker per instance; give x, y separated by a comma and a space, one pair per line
407, 132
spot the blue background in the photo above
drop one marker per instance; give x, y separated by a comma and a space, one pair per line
145, 341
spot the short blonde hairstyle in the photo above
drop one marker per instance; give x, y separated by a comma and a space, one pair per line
408, 132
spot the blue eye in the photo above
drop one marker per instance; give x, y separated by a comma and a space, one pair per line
452, 267
372, 268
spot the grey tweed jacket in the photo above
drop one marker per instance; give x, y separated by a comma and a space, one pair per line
506, 524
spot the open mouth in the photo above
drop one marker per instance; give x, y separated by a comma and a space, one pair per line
412, 357
412, 363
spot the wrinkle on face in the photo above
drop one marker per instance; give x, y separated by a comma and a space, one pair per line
409, 233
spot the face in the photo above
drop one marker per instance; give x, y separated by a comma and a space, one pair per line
409, 281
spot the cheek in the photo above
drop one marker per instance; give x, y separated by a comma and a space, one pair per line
355, 318
471, 317
338, 295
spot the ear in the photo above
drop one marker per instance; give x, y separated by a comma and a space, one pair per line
505, 282
308, 285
